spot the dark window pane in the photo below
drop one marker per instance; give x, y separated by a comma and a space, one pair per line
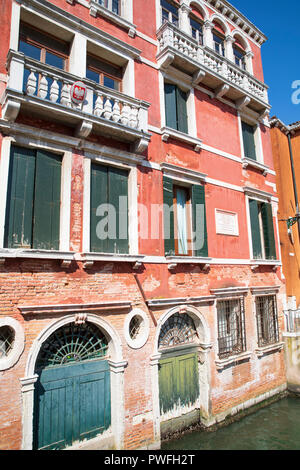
91, 75
30, 50
55, 60
115, 6
110, 83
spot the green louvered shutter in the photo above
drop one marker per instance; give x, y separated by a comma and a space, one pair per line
268, 229
182, 125
249, 141
168, 216
19, 210
118, 187
46, 225
99, 195
170, 105
199, 221
255, 230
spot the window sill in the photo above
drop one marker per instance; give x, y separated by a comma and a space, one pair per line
254, 164
175, 260
89, 259
168, 132
95, 9
256, 263
66, 257
233, 360
271, 348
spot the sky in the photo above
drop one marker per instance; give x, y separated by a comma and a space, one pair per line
279, 21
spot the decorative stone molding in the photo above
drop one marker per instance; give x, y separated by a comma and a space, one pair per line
181, 301
89, 259
232, 360
74, 308
97, 9
18, 344
168, 132
182, 174
257, 194
143, 334
271, 348
248, 162
264, 290
66, 257
230, 291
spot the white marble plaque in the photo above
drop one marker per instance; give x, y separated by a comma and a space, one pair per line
227, 223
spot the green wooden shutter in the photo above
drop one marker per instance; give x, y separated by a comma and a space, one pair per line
268, 229
199, 226
118, 187
255, 230
19, 210
170, 105
181, 98
168, 216
99, 195
249, 141
46, 225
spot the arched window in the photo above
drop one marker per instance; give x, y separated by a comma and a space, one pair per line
72, 344
219, 39
177, 330
196, 22
239, 54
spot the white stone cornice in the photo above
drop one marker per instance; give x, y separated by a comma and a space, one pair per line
74, 308
183, 174
257, 194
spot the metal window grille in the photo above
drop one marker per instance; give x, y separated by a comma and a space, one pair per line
267, 320
7, 338
135, 326
179, 329
231, 327
73, 343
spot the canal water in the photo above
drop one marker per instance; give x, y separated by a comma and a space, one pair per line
275, 427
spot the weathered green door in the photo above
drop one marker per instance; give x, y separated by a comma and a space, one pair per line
72, 403
178, 382
72, 394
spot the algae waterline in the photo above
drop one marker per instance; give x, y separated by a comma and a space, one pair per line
275, 427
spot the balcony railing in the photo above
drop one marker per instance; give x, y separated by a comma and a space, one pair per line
292, 321
216, 68
47, 90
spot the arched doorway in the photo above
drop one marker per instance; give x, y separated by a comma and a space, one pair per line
178, 366
181, 353
72, 394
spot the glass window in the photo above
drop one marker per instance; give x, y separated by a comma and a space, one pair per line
267, 320
7, 338
239, 57
169, 12
197, 30
104, 73
30, 50
181, 198
231, 328
262, 230
219, 44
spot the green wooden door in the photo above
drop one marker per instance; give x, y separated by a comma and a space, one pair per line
72, 403
178, 382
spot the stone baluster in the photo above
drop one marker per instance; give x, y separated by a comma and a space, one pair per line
133, 117
43, 86
65, 95
116, 115
54, 90
99, 105
31, 83
125, 114
107, 109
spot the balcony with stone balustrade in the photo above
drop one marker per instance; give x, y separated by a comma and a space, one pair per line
205, 66
43, 91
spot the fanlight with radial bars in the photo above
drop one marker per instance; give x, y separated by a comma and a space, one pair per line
72, 343
178, 329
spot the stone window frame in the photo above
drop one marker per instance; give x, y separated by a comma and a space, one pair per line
37, 139
18, 346
142, 336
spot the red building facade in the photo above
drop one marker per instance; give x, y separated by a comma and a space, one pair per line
175, 317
